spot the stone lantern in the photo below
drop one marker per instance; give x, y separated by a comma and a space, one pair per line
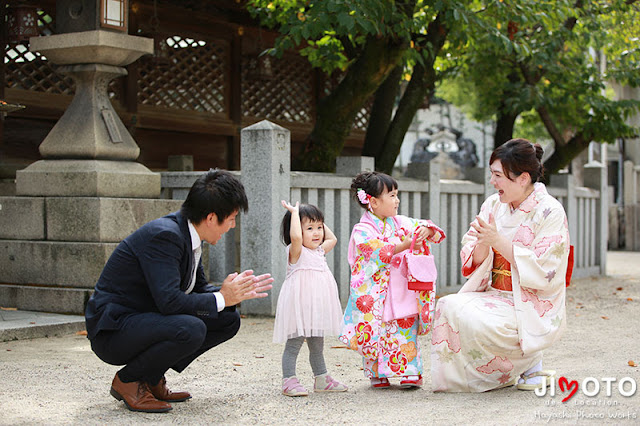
90, 145
87, 193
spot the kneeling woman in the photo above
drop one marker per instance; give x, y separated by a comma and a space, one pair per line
512, 307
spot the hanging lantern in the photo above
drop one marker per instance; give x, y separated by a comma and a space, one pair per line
265, 67
22, 23
260, 67
261, 63
113, 14
160, 50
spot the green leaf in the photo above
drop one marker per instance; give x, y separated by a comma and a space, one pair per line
346, 21
332, 6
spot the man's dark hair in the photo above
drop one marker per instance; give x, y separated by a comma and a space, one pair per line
216, 191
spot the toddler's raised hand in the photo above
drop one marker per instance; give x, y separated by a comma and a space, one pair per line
289, 207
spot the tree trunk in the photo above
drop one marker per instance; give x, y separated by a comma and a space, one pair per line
381, 112
411, 100
422, 84
336, 112
504, 128
563, 154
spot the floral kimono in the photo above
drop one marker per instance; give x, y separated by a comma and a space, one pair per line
485, 336
389, 348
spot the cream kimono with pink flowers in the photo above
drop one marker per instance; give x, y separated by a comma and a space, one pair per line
390, 348
482, 337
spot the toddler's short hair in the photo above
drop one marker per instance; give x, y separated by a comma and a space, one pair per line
307, 211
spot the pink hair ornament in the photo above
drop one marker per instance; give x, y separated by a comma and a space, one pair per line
363, 196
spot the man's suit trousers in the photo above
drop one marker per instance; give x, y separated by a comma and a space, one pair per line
148, 344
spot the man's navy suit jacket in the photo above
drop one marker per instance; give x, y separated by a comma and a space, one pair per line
149, 271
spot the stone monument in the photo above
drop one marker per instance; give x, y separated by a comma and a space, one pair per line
454, 154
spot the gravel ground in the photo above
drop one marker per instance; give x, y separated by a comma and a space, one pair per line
58, 380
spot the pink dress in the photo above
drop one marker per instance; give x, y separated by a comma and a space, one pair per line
308, 304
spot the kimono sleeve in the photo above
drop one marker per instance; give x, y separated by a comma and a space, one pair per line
410, 224
369, 254
469, 241
541, 250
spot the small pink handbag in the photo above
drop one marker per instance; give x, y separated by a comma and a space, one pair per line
421, 268
402, 301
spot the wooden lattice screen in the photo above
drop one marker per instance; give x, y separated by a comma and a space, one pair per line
362, 118
194, 78
27, 70
287, 96
197, 79
31, 71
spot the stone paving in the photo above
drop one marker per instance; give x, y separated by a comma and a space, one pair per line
58, 380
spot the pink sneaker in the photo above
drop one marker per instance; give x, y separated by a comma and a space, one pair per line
326, 383
292, 387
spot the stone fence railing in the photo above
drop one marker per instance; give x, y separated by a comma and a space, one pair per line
266, 175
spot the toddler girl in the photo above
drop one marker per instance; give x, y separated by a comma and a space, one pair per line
308, 305
389, 345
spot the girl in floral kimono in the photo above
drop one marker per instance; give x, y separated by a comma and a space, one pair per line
387, 343
512, 307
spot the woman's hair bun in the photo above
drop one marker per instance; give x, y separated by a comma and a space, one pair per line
539, 151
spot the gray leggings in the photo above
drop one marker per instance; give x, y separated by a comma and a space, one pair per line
292, 349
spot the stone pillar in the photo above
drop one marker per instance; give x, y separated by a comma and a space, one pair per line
434, 193
347, 166
570, 206
265, 160
630, 195
351, 166
482, 175
595, 177
433, 174
418, 171
630, 201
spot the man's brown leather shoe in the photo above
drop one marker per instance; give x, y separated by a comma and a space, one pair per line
137, 396
162, 392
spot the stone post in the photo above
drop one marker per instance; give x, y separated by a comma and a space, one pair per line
482, 175
265, 161
434, 192
571, 209
630, 194
595, 177
433, 173
348, 166
351, 166
629, 201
